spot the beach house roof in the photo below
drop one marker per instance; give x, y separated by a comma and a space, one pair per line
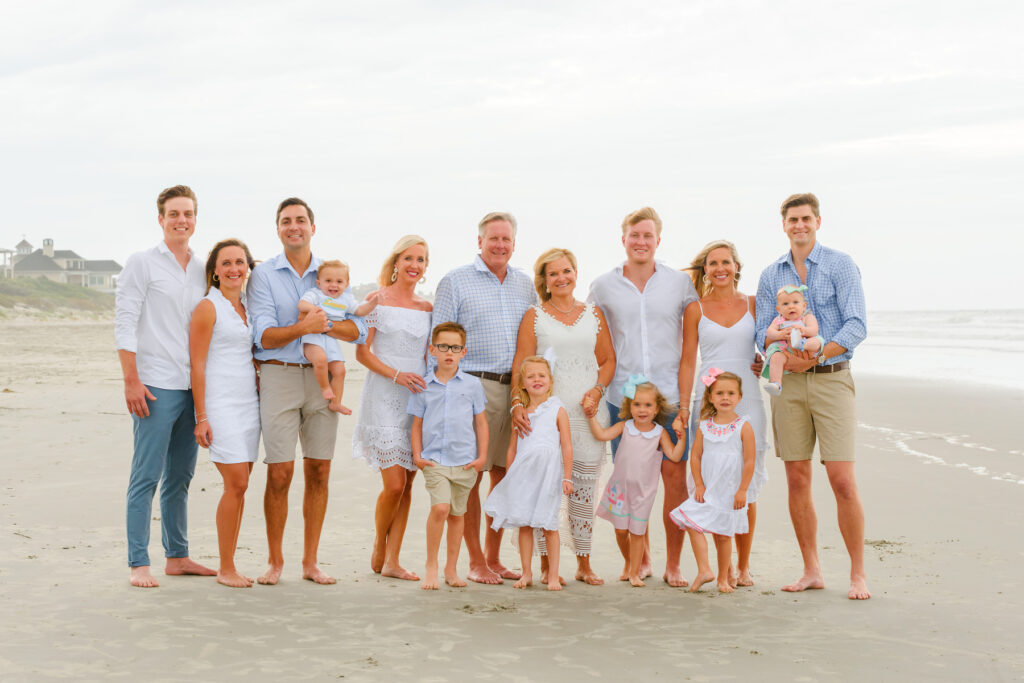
23, 244
66, 253
103, 266
37, 262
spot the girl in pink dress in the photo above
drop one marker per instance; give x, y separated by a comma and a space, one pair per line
629, 495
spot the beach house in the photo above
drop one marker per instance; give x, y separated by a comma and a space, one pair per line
60, 265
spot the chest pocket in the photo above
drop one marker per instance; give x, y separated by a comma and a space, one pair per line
823, 295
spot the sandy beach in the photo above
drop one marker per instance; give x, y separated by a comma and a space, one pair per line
941, 472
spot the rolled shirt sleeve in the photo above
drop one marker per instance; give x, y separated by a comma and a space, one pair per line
852, 306
261, 305
764, 309
131, 292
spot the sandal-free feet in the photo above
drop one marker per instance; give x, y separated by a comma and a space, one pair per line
271, 576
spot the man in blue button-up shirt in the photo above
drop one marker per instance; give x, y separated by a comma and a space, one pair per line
817, 403
291, 403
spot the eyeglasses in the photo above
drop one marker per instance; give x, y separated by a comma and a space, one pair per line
444, 348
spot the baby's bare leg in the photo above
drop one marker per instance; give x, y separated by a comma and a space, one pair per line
775, 367
318, 357
700, 553
812, 344
526, 557
554, 581
723, 547
337, 371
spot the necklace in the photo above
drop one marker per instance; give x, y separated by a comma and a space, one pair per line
563, 311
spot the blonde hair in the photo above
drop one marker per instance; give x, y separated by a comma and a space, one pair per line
403, 243
644, 214
540, 269
497, 216
707, 408
333, 263
523, 395
697, 265
664, 408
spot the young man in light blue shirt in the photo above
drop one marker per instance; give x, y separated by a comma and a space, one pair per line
449, 443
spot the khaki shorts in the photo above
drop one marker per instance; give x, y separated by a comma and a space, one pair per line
293, 408
815, 406
449, 486
499, 422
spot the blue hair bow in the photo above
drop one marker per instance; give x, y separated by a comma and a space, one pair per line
629, 388
795, 288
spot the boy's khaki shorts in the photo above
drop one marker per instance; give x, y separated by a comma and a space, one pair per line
815, 406
450, 486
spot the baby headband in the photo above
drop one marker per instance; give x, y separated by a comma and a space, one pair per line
711, 376
789, 289
629, 389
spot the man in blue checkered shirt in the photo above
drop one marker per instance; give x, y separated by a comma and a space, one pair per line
817, 402
488, 298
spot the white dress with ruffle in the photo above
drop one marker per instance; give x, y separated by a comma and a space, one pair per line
381, 436
721, 468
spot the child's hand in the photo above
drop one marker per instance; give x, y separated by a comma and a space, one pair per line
698, 494
740, 500
477, 464
421, 463
567, 487
679, 427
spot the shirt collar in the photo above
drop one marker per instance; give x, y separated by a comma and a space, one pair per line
280, 262
814, 256
164, 249
430, 377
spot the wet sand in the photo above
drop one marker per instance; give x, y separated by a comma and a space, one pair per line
941, 475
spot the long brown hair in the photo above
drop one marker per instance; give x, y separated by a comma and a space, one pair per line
707, 408
211, 260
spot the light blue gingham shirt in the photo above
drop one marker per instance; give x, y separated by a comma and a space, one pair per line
447, 410
834, 292
489, 309
273, 301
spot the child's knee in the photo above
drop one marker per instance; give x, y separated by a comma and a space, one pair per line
337, 369
440, 511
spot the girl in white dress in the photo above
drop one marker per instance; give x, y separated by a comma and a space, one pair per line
224, 392
574, 337
722, 463
539, 468
395, 354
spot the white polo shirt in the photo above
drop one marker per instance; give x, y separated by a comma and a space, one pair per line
153, 309
646, 327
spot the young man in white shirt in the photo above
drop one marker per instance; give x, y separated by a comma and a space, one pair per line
156, 293
643, 301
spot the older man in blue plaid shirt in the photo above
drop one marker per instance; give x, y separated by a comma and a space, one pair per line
488, 298
817, 402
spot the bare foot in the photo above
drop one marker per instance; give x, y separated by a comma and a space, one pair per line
399, 573
590, 578
430, 580
859, 589
336, 406
674, 577
186, 566
544, 577
555, 585
645, 570
377, 555
328, 394
234, 580
141, 578
503, 571
316, 575
454, 581
525, 581
700, 580
271, 576
725, 586
636, 582
483, 575
744, 579
804, 583
624, 576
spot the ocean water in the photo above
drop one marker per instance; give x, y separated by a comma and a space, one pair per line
978, 347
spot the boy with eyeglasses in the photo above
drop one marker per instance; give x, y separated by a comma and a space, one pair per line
449, 443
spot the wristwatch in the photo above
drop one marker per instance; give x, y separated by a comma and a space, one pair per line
821, 357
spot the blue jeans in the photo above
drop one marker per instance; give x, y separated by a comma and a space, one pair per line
666, 422
165, 454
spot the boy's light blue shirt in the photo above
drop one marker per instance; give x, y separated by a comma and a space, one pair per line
447, 410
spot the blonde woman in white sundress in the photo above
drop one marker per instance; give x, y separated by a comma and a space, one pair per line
395, 354
574, 336
721, 324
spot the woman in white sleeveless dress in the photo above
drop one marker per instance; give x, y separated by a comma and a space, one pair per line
721, 324
574, 337
395, 355
224, 392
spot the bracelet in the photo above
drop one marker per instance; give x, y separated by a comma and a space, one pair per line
514, 406
600, 387
197, 415
199, 422
568, 480
395, 378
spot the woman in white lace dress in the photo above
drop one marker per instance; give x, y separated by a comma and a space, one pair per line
395, 354
574, 337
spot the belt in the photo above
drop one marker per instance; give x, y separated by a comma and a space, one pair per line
835, 367
503, 378
287, 365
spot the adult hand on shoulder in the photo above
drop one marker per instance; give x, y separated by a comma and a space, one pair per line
135, 396
799, 361
520, 420
411, 381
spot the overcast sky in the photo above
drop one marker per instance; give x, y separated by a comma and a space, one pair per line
907, 120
